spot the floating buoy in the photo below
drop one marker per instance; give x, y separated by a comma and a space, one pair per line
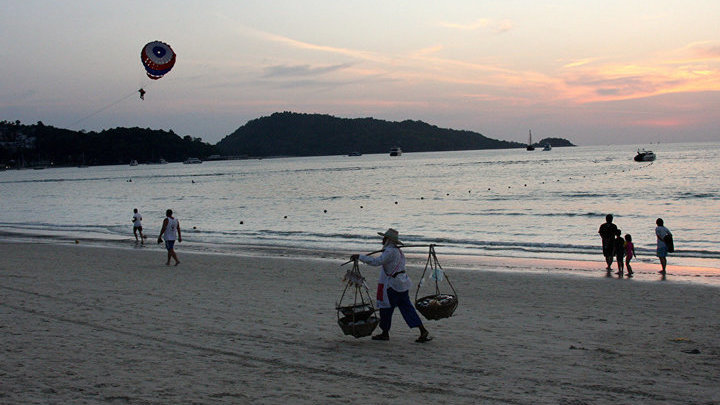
77, 241
241, 222
325, 211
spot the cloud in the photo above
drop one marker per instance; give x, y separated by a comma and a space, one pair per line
498, 26
302, 70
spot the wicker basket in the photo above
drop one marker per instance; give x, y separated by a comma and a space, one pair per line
437, 306
357, 328
358, 312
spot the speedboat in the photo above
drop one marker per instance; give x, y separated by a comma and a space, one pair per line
192, 160
547, 147
395, 151
644, 156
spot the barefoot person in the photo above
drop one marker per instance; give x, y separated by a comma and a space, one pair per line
171, 231
607, 233
393, 286
661, 232
137, 226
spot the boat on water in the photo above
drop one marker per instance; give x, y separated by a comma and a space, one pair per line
192, 160
133, 162
354, 154
644, 156
547, 147
529, 144
395, 151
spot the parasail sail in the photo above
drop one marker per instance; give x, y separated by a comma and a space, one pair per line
158, 58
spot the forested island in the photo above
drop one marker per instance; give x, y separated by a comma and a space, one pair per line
280, 134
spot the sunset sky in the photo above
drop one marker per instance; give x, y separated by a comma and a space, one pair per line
594, 72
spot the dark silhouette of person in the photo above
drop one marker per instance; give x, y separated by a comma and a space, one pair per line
607, 232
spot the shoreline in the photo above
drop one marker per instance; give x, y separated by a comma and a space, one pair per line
95, 324
645, 269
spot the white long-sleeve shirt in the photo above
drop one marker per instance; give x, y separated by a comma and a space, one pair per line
392, 261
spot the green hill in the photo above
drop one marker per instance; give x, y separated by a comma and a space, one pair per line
294, 134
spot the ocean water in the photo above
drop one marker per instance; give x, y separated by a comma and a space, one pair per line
507, 203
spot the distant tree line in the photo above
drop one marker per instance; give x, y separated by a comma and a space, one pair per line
27, 145
280, 134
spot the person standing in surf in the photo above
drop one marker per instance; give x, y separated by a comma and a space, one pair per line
171, 231
629, 253
393, 287
607, 234
661, 232
137, 226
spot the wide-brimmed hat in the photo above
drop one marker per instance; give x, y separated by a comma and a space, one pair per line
391, 234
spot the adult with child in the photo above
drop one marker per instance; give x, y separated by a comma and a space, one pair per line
664, 243
607, 232
171, 231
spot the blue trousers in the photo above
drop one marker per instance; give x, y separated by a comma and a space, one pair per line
402, 301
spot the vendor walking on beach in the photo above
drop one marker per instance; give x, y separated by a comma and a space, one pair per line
171, 231
393, 287
607, 232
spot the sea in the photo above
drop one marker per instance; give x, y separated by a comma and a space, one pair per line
509, 203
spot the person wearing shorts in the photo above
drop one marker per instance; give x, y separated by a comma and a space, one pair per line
662, 250
171, 231
137, 226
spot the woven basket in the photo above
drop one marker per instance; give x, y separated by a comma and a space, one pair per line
358, 329
437, 306
358, 312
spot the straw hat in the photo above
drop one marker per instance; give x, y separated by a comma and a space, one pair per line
391, 234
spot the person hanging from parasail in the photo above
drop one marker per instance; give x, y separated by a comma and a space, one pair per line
158, 59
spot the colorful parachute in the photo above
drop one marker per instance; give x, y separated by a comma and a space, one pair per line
158, 58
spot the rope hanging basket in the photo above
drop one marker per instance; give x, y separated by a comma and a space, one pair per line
438, 305
357, 317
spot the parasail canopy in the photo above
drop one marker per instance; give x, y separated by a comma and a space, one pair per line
158, 58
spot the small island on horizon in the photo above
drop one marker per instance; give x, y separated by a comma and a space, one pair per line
280, 134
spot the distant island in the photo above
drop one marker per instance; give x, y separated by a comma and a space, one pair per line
280, 134
295, 134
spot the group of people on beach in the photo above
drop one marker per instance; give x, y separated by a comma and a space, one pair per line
169, 233
615, 247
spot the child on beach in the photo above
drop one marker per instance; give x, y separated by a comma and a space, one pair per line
619, 250
629, 253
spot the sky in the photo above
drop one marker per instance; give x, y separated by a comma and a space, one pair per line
593, 72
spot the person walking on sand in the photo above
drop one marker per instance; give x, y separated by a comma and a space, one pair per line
137, 226
661, 232
393, 286
629, 253
171, 231
607, 233
619, 252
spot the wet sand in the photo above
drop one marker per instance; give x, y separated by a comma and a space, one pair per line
86, 324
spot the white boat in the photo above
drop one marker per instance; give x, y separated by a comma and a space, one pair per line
644, 156
395, 151
530, 145
547, 147
192, 160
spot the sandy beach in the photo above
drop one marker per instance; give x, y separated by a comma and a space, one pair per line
86, 324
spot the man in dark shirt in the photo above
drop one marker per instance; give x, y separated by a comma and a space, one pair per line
607, 233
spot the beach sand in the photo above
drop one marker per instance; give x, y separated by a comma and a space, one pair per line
86, 324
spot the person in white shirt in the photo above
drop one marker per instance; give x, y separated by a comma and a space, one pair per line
662, 249
171, 231
137, 226
393, 286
